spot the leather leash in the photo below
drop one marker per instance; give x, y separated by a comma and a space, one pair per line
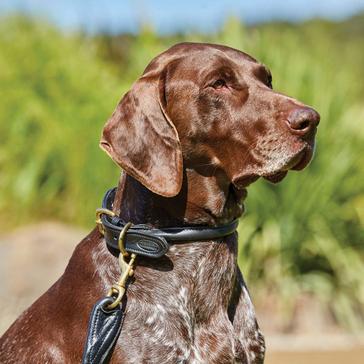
131, 240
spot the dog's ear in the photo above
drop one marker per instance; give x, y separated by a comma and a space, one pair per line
142, 140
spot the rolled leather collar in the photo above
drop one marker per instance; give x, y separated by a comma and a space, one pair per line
152, 242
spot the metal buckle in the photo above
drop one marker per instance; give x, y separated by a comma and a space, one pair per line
98, 220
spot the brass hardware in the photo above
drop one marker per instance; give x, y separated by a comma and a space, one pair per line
117, 290
121, 240
98, 221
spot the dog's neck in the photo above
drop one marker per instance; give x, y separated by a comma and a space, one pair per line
214, 202
135, 203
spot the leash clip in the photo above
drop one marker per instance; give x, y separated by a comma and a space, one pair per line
117, 290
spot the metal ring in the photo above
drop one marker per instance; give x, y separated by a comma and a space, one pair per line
107, 302
121, 239
118, 293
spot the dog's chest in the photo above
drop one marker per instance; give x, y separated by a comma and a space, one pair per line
184, 317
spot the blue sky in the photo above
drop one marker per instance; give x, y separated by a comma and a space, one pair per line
174, 15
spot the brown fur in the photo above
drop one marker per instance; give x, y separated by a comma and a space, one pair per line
194, 131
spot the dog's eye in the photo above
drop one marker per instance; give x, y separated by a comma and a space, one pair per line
219, 83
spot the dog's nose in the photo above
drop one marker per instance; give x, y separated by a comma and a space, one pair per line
303, 119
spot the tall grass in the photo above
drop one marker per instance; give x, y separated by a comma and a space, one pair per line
55, 96
304, 235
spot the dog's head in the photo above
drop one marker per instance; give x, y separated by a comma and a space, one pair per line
208, 105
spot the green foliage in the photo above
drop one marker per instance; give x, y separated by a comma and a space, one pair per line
303, 235
55, 97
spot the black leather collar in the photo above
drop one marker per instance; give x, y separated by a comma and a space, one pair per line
154, 243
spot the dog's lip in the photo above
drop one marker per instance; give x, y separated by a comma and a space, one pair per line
295, 160
244, 181
297, 163
276, 177
304, 159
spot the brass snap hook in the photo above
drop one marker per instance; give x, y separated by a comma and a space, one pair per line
117, 290
121, 244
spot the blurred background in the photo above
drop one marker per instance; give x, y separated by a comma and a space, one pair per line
63, 67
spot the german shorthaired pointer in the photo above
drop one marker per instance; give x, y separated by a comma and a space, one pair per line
199, 126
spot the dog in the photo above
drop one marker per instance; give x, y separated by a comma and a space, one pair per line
200, 125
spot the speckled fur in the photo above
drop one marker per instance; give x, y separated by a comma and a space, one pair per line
184, 318
191, 306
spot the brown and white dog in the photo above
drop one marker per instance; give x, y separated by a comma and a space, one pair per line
194, 131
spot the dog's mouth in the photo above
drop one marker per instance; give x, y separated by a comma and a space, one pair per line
276, 177
299, 161
296, 163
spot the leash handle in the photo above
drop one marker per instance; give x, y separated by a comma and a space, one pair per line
103, 330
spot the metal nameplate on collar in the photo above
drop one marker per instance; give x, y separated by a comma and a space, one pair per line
138, 242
